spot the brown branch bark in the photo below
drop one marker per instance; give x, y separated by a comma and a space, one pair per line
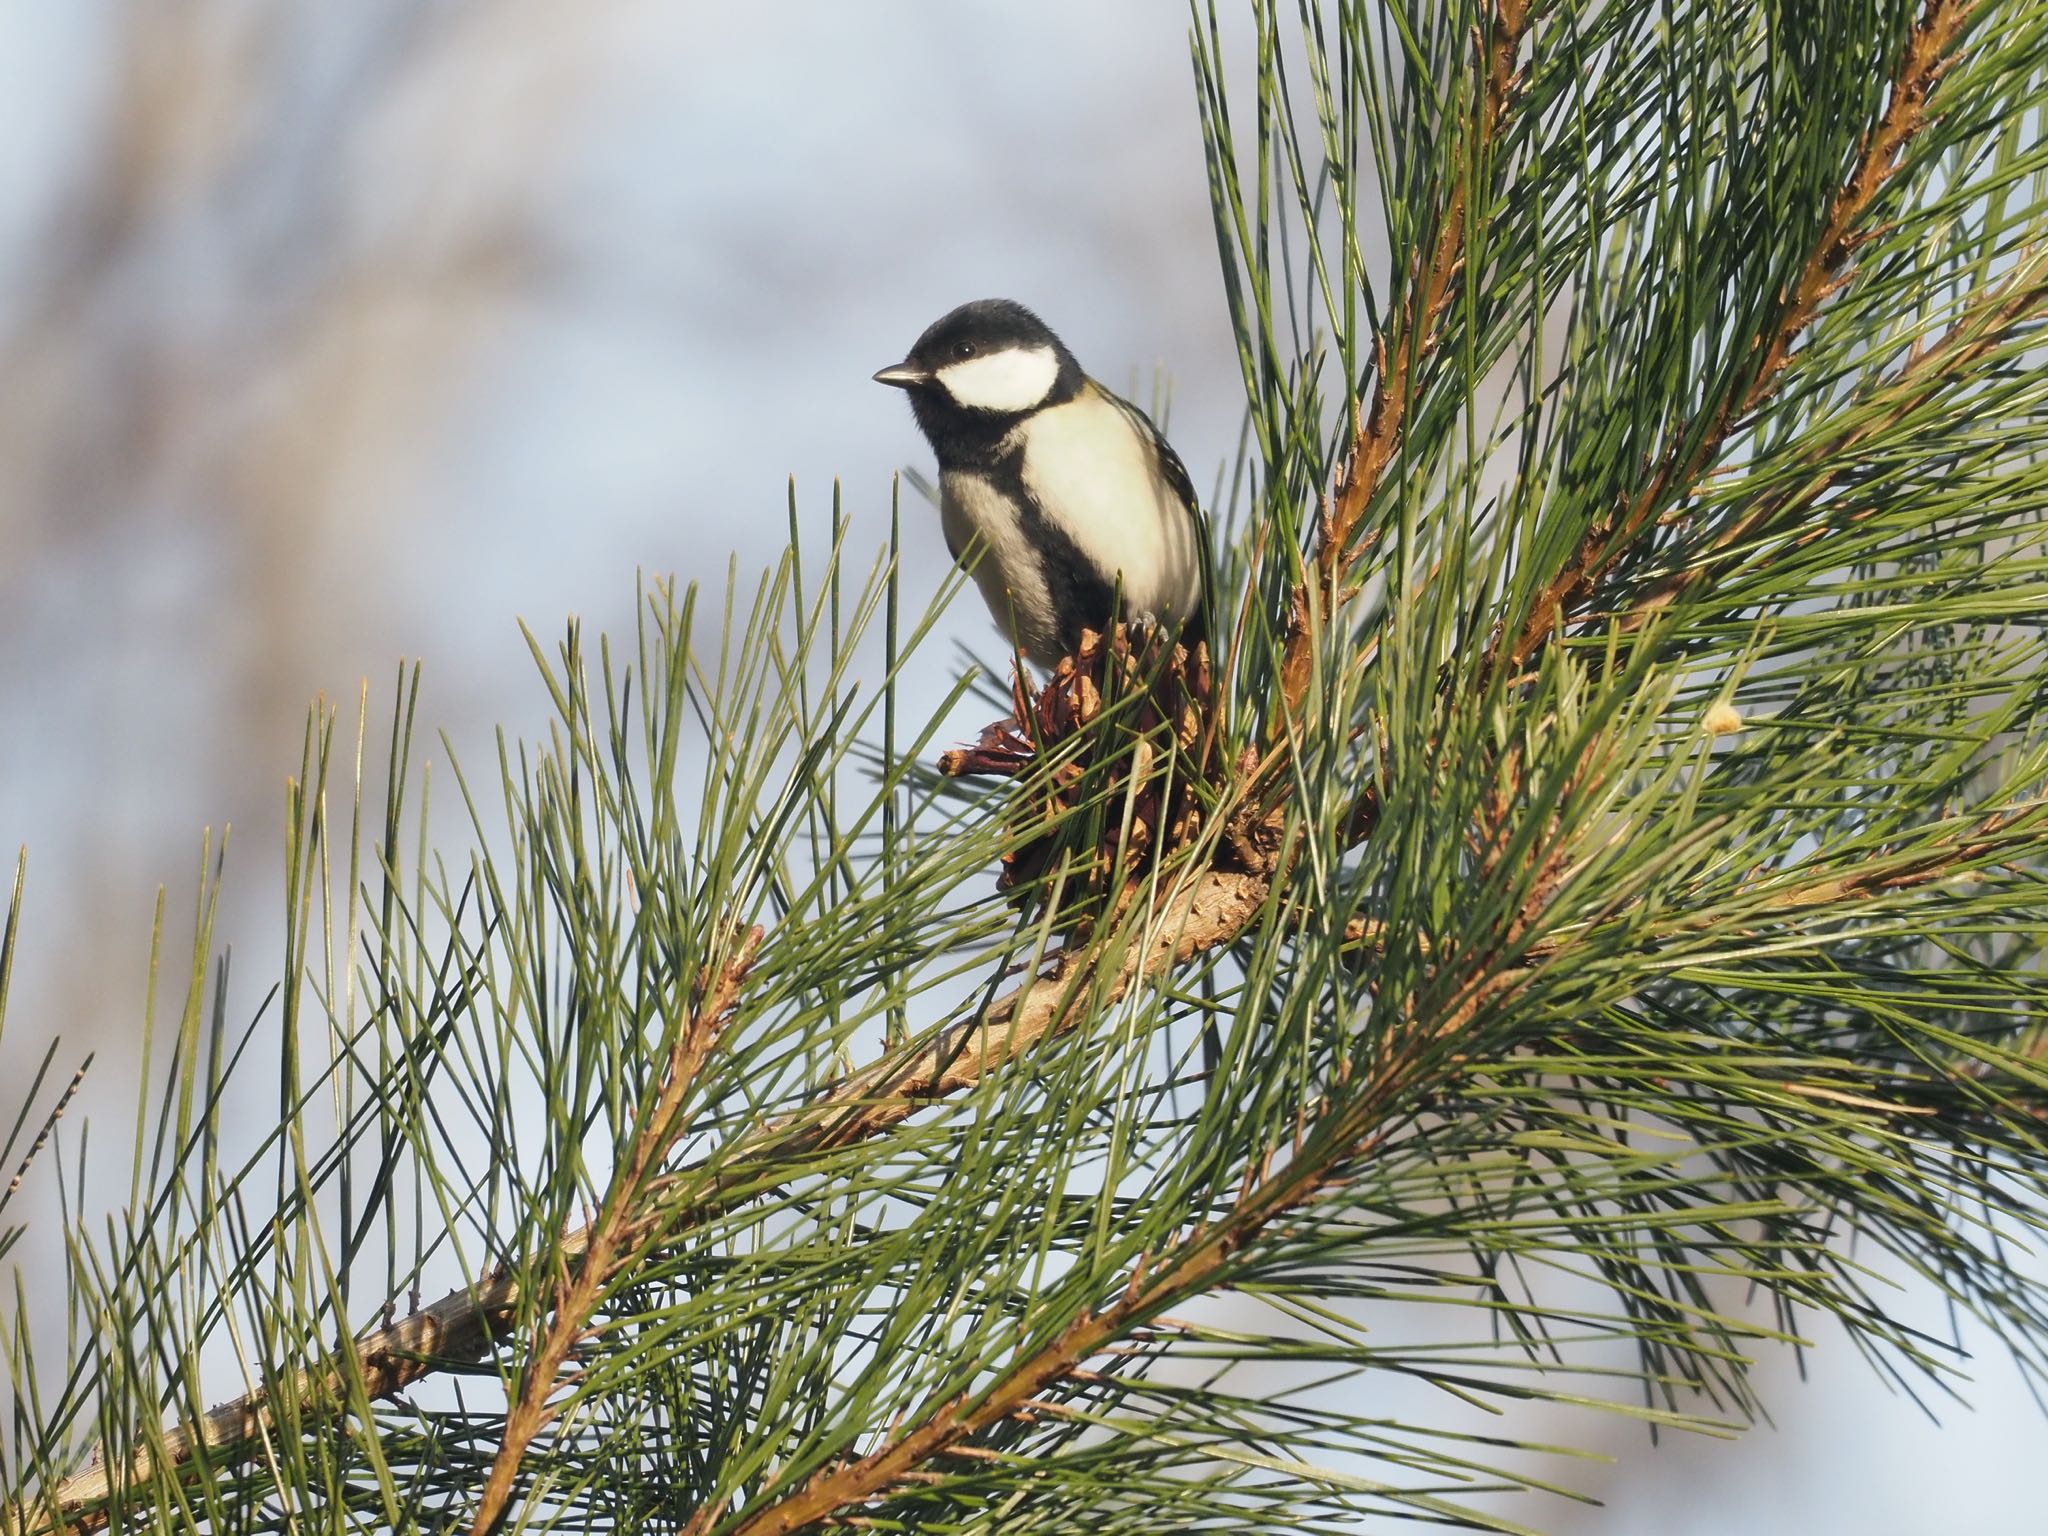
609, 1241
1380, 429
1928, 54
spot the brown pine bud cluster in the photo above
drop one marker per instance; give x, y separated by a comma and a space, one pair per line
1123, 793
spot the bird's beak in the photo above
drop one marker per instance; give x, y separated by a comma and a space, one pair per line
904, 375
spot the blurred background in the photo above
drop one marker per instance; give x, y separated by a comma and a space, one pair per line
335, 334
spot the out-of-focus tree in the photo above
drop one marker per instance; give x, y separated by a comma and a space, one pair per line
275, 242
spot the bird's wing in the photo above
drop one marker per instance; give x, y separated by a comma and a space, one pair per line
1169, 462
1183, 487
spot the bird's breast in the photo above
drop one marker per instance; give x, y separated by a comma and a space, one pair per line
1091, 474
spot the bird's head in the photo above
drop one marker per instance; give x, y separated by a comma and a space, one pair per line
992, 358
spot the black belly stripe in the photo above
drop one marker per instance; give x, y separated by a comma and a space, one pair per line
1081, 597
1082, 594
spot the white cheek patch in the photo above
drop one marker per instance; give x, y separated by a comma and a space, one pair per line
1012, 380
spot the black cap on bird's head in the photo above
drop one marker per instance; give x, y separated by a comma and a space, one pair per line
991, 359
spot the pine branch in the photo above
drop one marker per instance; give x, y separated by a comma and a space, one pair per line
1991, 318
1379, 430
1199, 913
2002, 834
1337, 1135
1210, 910
1929, 53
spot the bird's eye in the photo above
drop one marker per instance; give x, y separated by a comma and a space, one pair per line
963, 349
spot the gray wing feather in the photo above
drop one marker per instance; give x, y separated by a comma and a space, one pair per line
1170, 466
1183, 487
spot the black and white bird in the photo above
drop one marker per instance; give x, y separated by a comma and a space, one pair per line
1065, 499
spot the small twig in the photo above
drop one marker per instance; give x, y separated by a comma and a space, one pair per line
1988, 318
49, 1125
609, 1241
1927, 56
1379, 430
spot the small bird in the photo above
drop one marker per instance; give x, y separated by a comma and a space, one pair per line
1060, 494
